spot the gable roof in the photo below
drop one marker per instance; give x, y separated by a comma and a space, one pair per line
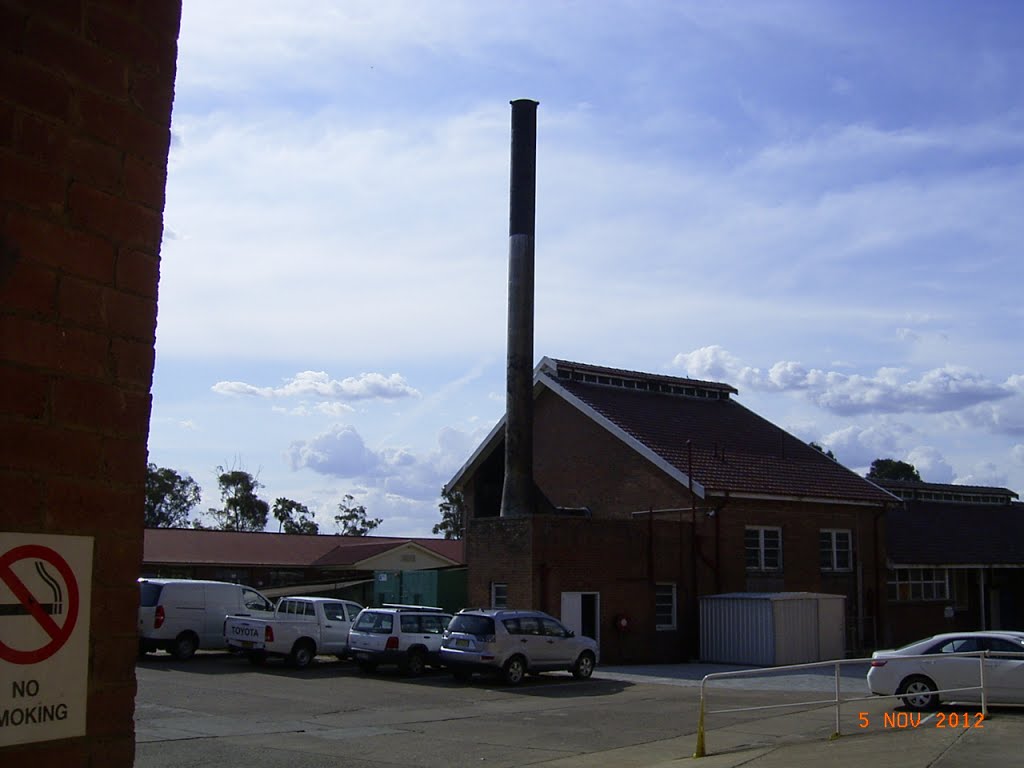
943, 533
243, 548
678, 423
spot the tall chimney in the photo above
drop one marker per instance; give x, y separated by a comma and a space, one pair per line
517, 492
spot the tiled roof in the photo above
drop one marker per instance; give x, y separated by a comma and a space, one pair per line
733, 449
198, 547
940, 533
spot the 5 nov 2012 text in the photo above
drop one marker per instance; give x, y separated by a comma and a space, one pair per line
959, 720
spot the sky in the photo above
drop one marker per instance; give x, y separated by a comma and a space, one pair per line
816, 202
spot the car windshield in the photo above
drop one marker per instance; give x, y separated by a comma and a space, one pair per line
472, 625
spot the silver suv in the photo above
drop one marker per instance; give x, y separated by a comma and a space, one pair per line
406, 635
514, 643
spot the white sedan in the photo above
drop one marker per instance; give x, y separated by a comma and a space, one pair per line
918, 679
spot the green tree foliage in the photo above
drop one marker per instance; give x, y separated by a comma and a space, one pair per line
293, 517
452, 509
352, 519
169, 498
891, 469
828, 453
243, 509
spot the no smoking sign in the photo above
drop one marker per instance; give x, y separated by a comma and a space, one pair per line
45, 591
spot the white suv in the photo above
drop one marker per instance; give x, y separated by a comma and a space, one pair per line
514, 643
406, 635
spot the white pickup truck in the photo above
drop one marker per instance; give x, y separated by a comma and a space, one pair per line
301, 628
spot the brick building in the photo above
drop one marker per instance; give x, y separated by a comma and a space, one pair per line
85, 107
654, 490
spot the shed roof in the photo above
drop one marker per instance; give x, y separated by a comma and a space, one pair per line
206, 547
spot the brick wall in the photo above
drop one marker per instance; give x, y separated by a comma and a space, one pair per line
85, 103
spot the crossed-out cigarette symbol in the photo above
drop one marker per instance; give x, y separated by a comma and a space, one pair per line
53, 609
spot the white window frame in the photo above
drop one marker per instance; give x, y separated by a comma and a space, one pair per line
761, 530
833, 566
915, 585
499, 587
660, 588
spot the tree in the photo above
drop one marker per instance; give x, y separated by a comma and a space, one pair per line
294, 517
169, 497
353, 521
452, 509
891, 469
827, 452
243, 510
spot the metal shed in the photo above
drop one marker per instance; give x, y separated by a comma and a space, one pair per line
772, 628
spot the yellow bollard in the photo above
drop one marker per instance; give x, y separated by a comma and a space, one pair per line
699, 751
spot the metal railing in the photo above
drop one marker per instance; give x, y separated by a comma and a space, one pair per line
838, 700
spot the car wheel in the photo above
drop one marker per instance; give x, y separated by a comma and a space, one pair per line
302, 654
514, 671
415, 664
367, 666
185, 646
584, 666
919, 693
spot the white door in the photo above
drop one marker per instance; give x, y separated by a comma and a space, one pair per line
581, 612
334, 636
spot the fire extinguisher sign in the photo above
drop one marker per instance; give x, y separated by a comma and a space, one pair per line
45, 592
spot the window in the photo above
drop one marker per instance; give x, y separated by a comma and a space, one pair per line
665, 606
836, 550
907, 584
763, 548
499, 595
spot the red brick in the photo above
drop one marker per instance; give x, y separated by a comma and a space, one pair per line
162, 19
145, 183
94, 404
124, 126
25, 394
66, 14
13, 22
34, 88
137, 272
7, 122
124, 458
77, 504
133, 363
31, 184
124, 553
114, 31
31, 447
95, 164
82, 62
51, 347
123, 221
31, 287
21, 502
43, 140
81, 302
110, 712
130, 316
153, 92
114, 659
77, 253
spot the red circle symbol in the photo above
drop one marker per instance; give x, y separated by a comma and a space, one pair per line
58, 634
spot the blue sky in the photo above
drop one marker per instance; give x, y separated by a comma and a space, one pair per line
818, 203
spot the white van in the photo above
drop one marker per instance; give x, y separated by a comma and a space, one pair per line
181, 616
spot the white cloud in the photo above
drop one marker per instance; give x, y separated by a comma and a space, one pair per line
983, 473
857, 446
930, 464
318, 384
889, 390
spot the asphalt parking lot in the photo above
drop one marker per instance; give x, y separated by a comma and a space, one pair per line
218, 710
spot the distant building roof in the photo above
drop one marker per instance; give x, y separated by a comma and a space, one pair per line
239, 548
942, 533
942, 492
679, 423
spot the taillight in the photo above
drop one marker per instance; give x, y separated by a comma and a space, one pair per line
392, 644
268, 634
158, 617
878, 662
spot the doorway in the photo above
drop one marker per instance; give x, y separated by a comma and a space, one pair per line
581, 612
